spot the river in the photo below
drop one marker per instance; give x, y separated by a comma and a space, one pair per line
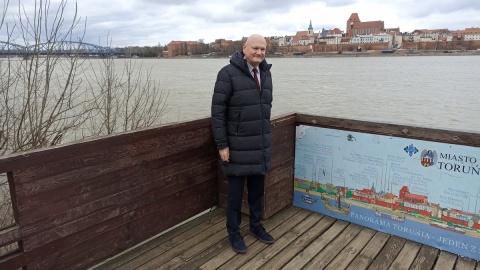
428, 91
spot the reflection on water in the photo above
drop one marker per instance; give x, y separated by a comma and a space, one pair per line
428, 91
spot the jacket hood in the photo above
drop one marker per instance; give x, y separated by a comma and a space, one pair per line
240, 62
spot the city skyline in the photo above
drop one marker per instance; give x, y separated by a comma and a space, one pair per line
150, 23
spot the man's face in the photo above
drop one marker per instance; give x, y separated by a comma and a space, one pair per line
254, 50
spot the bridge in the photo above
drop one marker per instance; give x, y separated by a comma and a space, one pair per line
58, 48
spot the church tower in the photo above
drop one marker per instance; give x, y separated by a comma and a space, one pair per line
310, 29
354, 19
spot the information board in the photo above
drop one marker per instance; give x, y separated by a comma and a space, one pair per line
424, 191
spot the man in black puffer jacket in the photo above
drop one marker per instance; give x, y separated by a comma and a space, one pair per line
241, 106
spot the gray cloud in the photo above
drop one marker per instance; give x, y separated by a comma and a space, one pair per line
425, 8
149, 22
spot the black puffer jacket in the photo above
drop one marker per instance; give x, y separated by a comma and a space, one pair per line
241, 117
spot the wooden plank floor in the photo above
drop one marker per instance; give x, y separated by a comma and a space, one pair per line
304, 240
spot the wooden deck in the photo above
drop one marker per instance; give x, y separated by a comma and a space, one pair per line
304, 240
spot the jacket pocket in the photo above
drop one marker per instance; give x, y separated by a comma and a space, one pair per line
238, 123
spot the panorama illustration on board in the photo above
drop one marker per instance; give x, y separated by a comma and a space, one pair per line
424, 191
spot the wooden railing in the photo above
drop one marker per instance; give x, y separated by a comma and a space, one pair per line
419, 133
80, 203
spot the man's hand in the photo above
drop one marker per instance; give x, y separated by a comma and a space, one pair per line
224, 154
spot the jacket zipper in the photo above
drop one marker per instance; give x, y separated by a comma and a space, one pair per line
264, 165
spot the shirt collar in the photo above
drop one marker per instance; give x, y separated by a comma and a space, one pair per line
250, 67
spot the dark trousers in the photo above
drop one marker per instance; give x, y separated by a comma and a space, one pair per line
255, 188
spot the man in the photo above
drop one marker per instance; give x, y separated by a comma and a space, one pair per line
241, 105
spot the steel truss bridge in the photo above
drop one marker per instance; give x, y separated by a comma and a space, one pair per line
68, 48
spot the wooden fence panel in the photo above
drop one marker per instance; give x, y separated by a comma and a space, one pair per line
80, 203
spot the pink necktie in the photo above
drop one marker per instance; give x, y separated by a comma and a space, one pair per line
256, 78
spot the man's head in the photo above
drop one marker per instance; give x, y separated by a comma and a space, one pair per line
254, 49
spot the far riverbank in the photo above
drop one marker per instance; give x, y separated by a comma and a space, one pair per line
390, 53
375, 53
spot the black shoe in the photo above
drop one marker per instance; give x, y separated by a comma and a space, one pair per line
262, 235
237, 243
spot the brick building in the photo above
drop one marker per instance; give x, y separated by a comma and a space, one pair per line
356, 27
472, 33
179, 48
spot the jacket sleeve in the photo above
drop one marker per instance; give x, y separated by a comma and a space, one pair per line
221, 96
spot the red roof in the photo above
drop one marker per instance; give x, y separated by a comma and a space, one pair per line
335, 31
372, 24
303, 35
354, 17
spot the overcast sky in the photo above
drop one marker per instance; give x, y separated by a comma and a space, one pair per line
153, 22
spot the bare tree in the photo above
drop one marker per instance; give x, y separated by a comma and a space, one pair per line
124, 100
4, 85
41, 95
6, 210
46, 97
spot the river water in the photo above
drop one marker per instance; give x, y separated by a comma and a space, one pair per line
427, 91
